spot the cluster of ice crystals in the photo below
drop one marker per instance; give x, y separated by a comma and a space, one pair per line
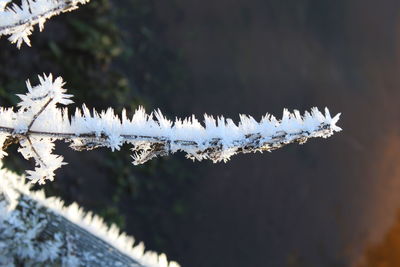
39, 122
40, 231
20, 226
18, 20
40, 101
46, 163
48, 88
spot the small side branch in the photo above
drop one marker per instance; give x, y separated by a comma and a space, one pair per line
27, 135
39, 112
37, 156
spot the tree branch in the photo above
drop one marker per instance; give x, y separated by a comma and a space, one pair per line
150, 135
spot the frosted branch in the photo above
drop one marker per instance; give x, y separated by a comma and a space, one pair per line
38, 122
18, 21
40, 231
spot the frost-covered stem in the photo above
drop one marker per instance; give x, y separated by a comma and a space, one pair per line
18, 21
40, 231
39, 112
250, 143
38, 157
62, 6
41, 122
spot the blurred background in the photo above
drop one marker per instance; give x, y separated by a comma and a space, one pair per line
331, 202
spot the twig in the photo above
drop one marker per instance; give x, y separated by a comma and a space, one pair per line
218, 140
39, 112
19, 21
35, 151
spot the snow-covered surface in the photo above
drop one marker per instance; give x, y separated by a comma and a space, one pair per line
39, 121
24, 216
18, 21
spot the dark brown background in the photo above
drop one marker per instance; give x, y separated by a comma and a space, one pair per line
320, 204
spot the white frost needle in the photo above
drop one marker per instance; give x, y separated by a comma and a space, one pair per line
38, 122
